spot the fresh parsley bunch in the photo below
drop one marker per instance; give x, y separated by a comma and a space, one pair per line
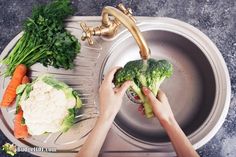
45, 39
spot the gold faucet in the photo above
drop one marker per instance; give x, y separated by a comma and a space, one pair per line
109, 27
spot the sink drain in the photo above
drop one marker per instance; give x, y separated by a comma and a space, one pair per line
133, 97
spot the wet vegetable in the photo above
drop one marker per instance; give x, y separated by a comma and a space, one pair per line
150, 75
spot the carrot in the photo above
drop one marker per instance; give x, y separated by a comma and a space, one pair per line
20, 131
25, 80
10, 92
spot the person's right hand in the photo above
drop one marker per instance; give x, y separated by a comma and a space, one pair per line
163, 112
160, 106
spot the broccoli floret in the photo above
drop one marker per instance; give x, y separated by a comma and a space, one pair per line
150, 74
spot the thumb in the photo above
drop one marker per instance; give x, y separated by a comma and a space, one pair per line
149, 95
124, 87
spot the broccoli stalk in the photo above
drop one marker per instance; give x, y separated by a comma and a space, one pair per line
150, 75
147, 107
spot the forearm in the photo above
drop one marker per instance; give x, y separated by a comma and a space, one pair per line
181, 144
93, 144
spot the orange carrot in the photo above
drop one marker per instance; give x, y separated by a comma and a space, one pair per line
25, 80
20, 131
10, 93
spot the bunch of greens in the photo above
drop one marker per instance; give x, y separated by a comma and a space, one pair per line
45, 39
150, 75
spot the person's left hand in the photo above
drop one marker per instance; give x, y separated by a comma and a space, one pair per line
110, 98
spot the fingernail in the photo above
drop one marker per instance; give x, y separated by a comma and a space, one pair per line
145, 90
131, 83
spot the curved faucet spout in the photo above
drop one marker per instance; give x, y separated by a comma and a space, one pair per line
130, 25
109, 27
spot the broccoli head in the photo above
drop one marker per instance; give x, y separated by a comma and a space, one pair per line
150, 74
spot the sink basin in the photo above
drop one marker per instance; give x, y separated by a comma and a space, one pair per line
198, 91
191, 89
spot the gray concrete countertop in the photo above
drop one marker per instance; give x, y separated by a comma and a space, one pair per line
216, 18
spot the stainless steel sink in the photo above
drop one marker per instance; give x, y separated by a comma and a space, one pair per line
199, 90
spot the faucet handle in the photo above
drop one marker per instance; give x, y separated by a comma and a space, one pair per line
87, 33
126, 11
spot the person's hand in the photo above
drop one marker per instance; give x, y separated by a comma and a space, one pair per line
163, 112
110, 102
160, 106
110, 98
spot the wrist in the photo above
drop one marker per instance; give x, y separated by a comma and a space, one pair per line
106, 118
168, 122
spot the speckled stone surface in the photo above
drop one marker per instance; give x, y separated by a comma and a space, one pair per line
216, 18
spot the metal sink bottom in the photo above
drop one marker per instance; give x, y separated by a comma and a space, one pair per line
199, 90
